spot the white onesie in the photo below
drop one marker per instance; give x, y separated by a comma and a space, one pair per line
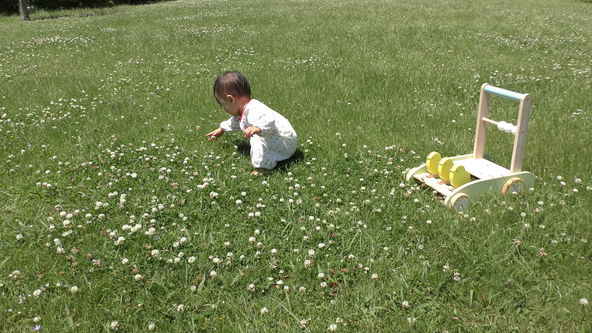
277, 140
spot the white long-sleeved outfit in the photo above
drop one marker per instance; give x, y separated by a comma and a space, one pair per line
277, 140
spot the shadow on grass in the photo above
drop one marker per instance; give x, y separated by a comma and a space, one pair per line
244, 148
53, 16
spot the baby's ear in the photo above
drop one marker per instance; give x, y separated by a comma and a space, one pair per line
230, 98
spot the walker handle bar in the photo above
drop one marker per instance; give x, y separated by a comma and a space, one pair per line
504, 93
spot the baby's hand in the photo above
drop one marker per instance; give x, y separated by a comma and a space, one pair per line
250, 131
215, 134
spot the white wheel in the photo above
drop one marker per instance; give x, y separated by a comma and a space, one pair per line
514, 184
460, 202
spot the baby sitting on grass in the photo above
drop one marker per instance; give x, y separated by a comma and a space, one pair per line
271, 136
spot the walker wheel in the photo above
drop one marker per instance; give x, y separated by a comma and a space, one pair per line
514, 184
460, 202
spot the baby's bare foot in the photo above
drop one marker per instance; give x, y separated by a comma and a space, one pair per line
260, 171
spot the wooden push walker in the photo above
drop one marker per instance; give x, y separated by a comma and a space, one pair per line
463, 178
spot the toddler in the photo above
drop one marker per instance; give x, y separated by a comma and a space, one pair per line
271, 136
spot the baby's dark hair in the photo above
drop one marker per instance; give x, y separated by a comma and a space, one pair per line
232, 83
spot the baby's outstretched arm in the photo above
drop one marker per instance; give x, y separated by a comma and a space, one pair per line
215, 134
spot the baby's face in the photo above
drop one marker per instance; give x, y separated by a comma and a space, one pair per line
229, 104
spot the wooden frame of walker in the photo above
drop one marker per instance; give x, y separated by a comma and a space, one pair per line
486, 176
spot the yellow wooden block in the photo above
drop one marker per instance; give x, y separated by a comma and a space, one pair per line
432, 162
459, 176
444, 168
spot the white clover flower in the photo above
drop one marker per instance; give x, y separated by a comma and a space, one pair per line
264, 310
151, 326
584, 301
74, 289
114, 324
321, 245
36, 319
303, 322
19, 236
374, 276
307, 263
405, 304
154, 252
15, 274
332, 327
180, 307
323, 284
191, 260
138, 277
251, 287
321, 275
37, 292
213, 273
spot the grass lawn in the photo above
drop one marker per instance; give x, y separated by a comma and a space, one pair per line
117, 215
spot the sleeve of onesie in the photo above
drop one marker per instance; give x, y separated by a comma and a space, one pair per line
265, 121
230, 125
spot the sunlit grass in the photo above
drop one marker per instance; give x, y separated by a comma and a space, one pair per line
117, 214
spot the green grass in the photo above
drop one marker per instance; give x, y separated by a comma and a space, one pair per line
111, 106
